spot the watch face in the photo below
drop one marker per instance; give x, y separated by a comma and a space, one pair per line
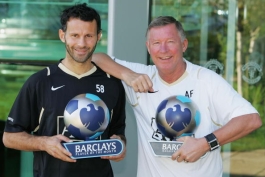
213, 144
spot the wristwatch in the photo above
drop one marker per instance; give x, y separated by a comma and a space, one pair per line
212, 141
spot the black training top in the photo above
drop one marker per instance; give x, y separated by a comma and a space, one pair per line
39, 109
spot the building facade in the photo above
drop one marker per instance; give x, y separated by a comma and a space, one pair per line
226, 36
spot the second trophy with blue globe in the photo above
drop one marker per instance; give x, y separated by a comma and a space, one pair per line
86, 117
176, 116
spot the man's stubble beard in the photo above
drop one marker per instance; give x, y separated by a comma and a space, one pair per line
88, 56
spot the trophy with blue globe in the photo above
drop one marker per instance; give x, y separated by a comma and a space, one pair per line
176, 116
86, 117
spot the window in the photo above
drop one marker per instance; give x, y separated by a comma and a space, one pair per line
29, 29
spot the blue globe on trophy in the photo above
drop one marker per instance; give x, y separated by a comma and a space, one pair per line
177, 116
86, 116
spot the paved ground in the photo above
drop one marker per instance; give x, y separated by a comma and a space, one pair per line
244, 164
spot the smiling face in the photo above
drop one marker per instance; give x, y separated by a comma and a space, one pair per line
166, 48
80, 39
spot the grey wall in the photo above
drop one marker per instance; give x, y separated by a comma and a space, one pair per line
128, 20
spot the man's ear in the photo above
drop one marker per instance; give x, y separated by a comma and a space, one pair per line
61, 35
185, 45
99, 35
147, 46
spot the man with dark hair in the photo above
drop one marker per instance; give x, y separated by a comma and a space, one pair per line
35, 122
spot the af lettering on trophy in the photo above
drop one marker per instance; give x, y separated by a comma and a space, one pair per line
86, 117
176, 116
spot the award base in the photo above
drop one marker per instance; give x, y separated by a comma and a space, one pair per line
164, 148
97, 148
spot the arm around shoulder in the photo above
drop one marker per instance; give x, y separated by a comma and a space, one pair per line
139, 82
107, 64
